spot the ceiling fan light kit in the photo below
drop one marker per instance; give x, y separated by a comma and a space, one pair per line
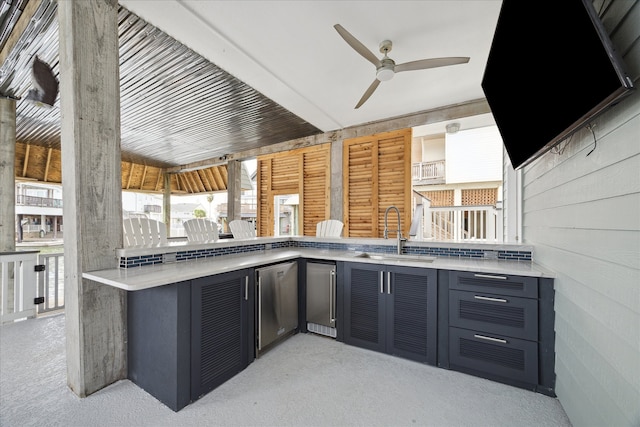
386, 67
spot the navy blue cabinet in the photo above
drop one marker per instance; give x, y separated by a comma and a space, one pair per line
391, 309
222, 328
501, 328
185, 339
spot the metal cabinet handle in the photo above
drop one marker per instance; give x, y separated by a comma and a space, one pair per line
490, 299
382, 282
246, 288
259, 298
490, 276
482, 337
388, 283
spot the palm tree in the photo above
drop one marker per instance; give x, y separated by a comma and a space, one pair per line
210, 199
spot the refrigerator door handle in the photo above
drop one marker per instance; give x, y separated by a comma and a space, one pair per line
332, 293
259, 332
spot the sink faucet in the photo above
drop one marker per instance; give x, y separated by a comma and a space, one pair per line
398, 230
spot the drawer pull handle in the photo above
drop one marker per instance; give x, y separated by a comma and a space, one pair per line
489, 276
482, 337
490, 299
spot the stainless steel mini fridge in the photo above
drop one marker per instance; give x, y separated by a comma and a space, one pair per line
277, 290
321, 298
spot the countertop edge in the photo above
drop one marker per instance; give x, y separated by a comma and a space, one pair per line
145, 277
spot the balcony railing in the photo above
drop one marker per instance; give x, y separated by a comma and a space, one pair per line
427, 171
26, 292
18, 284
45, 202
473, 223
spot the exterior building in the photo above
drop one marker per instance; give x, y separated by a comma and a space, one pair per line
38, 211
457, 177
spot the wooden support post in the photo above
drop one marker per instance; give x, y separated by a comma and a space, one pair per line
166, 202
95, 314
7, 175
234, 191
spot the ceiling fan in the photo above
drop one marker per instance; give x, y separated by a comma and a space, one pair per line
386, 67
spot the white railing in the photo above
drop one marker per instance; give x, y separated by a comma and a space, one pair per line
482, 223
51, 282
18, 285
428, 170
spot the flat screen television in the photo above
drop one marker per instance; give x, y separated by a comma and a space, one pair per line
551, 69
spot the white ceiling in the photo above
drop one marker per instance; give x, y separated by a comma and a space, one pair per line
289, 51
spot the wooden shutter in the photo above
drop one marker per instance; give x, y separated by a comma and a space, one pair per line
316, 182
264, 211
305, 172
376, 175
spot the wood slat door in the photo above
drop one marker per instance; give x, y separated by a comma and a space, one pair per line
306, 172
376, 175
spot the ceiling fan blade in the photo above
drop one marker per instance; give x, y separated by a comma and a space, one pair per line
357, 46
368, 93
424, 64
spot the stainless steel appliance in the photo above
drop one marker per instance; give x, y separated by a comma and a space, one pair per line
321, 298
277, 290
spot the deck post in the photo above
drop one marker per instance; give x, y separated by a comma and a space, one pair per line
90, 138
7, 175
234, 190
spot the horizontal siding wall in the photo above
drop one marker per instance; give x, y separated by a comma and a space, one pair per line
582, 213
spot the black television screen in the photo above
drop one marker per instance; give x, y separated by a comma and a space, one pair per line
551, 69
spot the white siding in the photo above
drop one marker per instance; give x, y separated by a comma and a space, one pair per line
474, 155
582, 214
433, 149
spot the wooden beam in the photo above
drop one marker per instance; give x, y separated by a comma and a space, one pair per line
26, 160
161, 173
46, 168
197, 179
436, 115
144, 175
205, 180
22, 23
130, 175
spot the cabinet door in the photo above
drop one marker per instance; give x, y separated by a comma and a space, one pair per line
221, 329
411, 311
364, 306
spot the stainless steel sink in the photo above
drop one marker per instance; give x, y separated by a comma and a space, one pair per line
394, 257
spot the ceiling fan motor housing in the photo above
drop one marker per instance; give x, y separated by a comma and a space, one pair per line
386, 71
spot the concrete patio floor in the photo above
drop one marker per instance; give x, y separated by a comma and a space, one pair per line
307, 380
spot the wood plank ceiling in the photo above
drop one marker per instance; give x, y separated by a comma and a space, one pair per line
177, 108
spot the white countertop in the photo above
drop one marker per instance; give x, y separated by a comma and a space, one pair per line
138, 278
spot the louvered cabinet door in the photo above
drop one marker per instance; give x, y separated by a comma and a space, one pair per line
494, 355
364, 306
501, 314
412, 313
220, 329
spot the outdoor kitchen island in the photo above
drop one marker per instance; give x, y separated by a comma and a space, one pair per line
192, 308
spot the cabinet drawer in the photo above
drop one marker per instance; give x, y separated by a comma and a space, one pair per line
495, 355
501, 284
503, 315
